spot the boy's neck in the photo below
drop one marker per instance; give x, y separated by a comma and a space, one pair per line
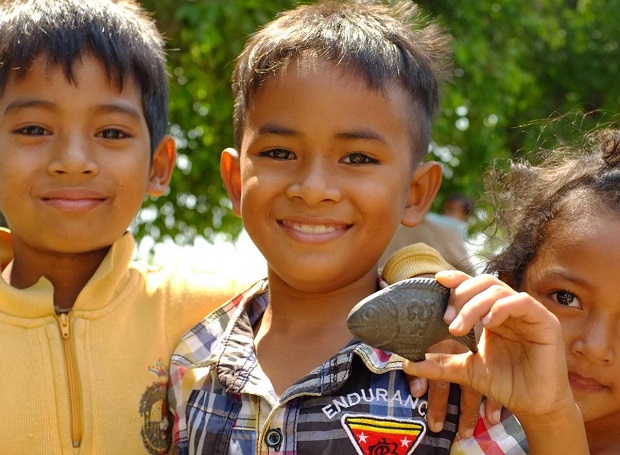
301, 330
306, 309
68, 273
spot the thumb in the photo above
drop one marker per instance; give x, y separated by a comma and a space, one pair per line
441, 367
451, 278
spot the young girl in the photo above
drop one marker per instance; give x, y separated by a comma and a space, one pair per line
563, 251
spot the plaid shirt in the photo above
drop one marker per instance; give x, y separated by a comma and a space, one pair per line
358, 402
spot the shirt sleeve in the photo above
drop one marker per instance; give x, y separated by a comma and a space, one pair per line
505, 438
177, 403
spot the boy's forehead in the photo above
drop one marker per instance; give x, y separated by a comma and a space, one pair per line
321, 69
87, 81
42, 65
319, 98
310, 64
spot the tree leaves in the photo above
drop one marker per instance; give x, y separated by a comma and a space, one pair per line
515, 63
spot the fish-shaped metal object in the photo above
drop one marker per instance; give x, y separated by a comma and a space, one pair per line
405, 318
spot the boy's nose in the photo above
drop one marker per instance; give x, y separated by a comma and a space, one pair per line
72, 155
314, 182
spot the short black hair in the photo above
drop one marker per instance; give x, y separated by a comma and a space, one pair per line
119, 33
382, 43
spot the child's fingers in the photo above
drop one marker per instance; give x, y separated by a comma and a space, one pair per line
470, 411
438, 393
464, 288
477, 306
451, 278
492, 411
417, 386
441, 367
528, 318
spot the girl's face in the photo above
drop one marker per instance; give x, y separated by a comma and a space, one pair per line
576, 274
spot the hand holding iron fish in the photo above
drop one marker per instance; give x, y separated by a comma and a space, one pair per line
405, 318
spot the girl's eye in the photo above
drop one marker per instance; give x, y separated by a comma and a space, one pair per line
112, 134
566, 298
358, 158
279, 154
33, 130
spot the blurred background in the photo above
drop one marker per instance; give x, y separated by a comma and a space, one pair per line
516, 64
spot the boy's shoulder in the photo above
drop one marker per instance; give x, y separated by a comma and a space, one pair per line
186, 280
199, 343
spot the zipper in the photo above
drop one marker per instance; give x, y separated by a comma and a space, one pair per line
73, 380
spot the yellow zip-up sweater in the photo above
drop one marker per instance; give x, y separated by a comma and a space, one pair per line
94, 381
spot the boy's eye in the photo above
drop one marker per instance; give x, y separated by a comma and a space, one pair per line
112, 134
358, 158
33, 130
279, 154
566, 298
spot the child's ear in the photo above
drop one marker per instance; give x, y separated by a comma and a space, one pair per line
425, 183
231, 175
162, 165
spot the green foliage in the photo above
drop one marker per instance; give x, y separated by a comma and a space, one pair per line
515, 64
204, 37
515, 67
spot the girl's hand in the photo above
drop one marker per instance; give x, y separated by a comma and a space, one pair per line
520, 363
439, 391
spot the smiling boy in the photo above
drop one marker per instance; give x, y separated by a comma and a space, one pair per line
333, 109
85, 333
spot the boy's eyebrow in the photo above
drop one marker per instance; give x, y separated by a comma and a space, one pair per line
26, 103
111, 107
272, 128
365, 134
120, 108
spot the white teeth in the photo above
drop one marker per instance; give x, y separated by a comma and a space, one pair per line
313, 229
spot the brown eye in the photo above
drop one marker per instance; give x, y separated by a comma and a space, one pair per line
566, 298
358, 158
278, 154
33, 130
112, 134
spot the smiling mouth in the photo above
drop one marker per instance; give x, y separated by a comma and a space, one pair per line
316, 229
307, 229
73, 204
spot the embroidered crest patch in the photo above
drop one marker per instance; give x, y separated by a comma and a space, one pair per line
372, 435
154, 412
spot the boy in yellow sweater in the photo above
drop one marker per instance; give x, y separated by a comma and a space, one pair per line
85, 333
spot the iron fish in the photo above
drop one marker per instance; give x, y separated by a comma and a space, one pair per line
405, 318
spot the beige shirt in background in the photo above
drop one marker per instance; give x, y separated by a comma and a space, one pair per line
444, 239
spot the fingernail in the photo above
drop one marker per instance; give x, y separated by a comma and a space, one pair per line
444, 274
436, 427
496, 416
450, 314
456, 323
468, 433
415, 386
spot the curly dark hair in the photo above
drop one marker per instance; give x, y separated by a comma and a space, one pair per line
528, 199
